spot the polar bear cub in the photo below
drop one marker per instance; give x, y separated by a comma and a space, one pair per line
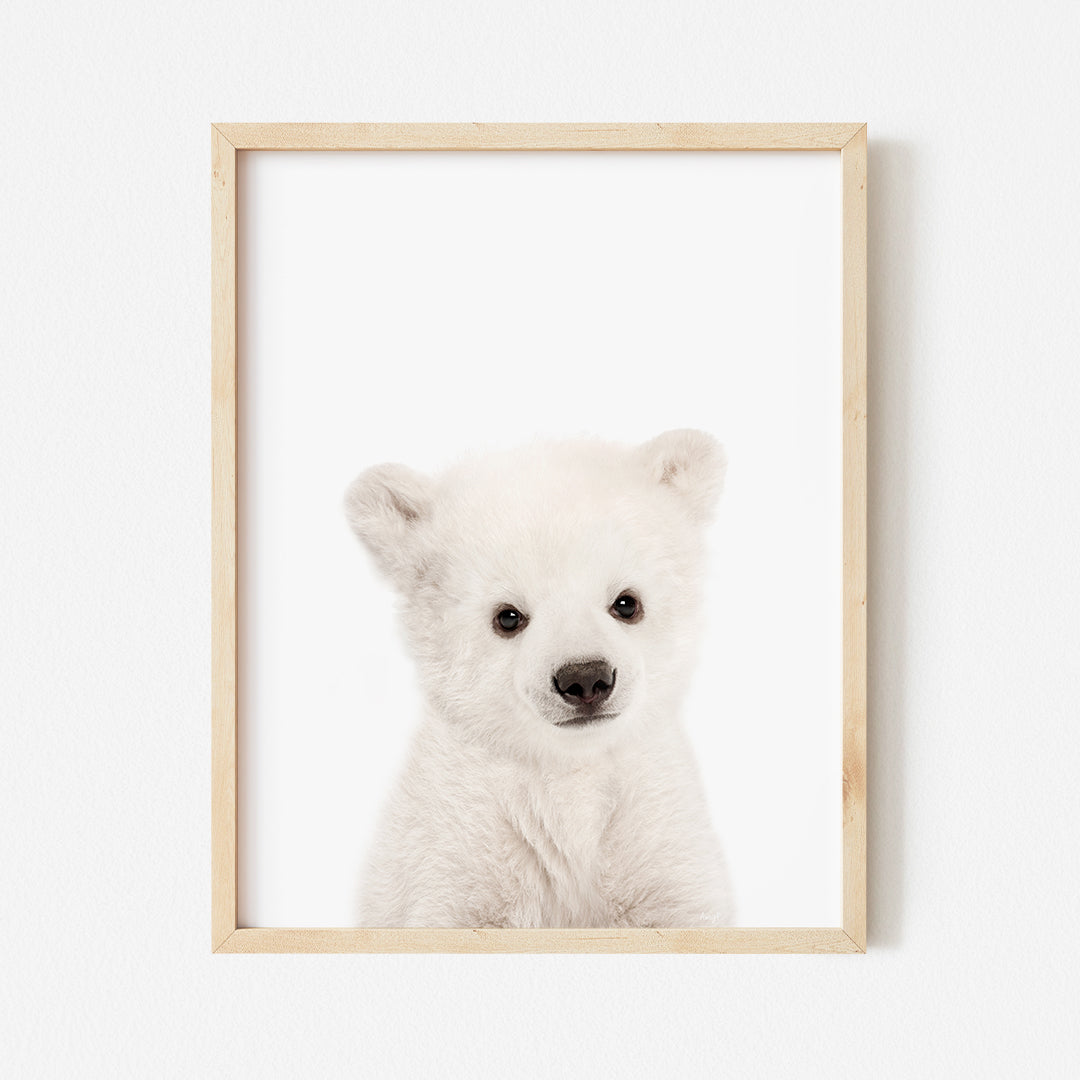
550, 597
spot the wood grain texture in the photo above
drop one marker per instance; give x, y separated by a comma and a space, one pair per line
538, 136
223, 537
742, 940
226, 140
853, 168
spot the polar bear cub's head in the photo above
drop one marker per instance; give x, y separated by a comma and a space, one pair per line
550, 594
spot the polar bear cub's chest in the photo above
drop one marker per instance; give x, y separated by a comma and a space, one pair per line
554, 843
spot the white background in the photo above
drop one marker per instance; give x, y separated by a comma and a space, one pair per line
104, 530
413, 306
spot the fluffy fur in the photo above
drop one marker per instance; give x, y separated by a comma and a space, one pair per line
503, 817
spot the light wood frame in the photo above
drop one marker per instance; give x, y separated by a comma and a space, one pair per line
229, 139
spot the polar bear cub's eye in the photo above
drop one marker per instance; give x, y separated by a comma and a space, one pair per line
627, 607
509, 621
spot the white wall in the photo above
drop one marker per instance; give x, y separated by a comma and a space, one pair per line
104, 525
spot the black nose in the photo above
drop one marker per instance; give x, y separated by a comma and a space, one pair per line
585, 682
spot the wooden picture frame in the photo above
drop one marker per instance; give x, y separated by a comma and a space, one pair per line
227, 141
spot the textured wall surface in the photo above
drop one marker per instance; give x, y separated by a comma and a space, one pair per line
104, 539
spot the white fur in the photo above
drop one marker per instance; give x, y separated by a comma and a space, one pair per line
503, 818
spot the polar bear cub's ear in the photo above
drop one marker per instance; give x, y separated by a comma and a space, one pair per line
692, 463
388, 507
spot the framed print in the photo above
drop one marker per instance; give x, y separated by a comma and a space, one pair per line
539, 537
